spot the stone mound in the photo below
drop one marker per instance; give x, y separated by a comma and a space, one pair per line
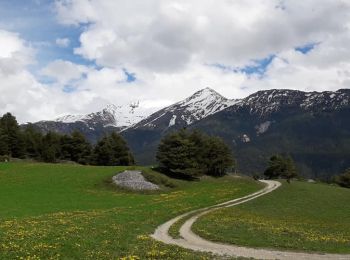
134, 180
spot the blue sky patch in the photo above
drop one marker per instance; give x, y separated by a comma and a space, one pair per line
258, 66
306, 48
130, 77
35, 21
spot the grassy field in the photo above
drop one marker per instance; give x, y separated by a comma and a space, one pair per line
299, 216
52, 211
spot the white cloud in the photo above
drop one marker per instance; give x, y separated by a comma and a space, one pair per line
24, 96
165, 36
64, 71
63, 42
169, 44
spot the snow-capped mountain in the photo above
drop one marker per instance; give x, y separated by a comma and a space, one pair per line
95, 125
312, 127
120, 118
265, 103
116, 116
201, 104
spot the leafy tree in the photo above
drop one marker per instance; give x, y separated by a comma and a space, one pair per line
343, 180
280, 166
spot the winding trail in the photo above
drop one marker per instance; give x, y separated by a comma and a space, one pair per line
192, 241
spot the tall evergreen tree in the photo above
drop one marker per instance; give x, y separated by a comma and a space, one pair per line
177, 153
218, 157
193, 154
51, 147
11, 137
280, 166
81, 148
33, 142
112, 150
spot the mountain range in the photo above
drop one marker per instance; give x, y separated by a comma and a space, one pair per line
312, 127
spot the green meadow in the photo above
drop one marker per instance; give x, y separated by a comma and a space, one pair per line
299, 216
56, 211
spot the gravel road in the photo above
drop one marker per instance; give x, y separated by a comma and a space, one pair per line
192, 241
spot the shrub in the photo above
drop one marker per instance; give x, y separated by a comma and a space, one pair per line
343, 180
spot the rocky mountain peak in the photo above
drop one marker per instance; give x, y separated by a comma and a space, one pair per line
201, 104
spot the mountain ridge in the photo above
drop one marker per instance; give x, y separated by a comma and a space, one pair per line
312, 127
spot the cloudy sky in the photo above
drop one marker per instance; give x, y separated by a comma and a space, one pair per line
75, 56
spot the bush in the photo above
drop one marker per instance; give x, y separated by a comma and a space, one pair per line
4, 158
344, 179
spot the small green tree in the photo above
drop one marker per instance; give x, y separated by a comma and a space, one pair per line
280, 166
343, 180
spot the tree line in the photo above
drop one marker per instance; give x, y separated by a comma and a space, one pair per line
28, 142
184, 153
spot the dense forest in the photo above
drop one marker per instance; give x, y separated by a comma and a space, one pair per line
29, 143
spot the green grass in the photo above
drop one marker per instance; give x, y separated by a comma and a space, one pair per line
52, 211
300, 216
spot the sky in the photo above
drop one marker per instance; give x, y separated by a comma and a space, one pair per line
61, 57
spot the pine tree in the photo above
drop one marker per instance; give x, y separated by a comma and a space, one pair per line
280, 166
218, 157
51, 147
33, 142
112, 150
11, 137
81, 148
194, 153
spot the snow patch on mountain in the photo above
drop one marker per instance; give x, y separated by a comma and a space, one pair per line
172, 121
263, 127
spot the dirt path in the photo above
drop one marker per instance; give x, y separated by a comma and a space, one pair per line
192, 241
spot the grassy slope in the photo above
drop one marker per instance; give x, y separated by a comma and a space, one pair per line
299, 216
70, 211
